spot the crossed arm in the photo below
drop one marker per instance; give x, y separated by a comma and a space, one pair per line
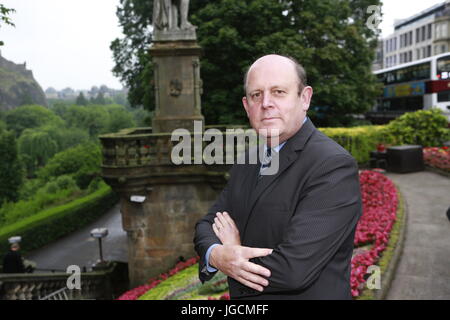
324, 219
233, 259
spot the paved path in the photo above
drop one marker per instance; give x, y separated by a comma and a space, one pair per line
424, 268
78, 248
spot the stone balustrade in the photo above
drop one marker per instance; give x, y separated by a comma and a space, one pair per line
101, 284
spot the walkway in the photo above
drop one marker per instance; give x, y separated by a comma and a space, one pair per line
424, 268
78, 248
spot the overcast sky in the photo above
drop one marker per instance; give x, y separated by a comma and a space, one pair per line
66, 42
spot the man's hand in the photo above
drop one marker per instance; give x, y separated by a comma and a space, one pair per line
233, 260
225, 229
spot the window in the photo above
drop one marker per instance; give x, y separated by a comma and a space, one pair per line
417, 53
417, 35
429, 31
443, 96
429, 51
395, 43
423, 33
410, 37
443, 48
410, 56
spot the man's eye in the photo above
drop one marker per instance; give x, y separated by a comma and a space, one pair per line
279, 92
256, 95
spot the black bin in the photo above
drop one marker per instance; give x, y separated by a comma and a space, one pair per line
406, 158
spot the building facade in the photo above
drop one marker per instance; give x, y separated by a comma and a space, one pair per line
419, 36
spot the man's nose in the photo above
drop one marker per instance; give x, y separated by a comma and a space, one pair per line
267, 100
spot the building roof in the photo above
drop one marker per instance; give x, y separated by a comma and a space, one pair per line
422, 14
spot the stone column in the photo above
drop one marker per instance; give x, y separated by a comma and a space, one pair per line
177, 85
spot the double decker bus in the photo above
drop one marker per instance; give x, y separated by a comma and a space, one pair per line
422, 84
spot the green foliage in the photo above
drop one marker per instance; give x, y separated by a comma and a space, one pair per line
4, 17
94, 119
12, 212
179, 280
81, 100
359, 141
31, 116
427, 128
96, 184
11, 168
119, 118
82, 162
51, 224
330, 38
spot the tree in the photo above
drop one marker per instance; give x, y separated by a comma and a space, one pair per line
81, 100
82, 162
330, 38
36, 146
11, 170
119, 118
94, 119
31, 116
4, 17
99, 99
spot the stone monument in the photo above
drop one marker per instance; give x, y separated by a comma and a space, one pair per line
160, 201
176, 63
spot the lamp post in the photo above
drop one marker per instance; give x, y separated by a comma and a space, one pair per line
100, 233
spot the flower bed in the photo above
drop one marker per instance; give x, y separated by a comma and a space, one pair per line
373, 232
153, 282
437, 158
380, 201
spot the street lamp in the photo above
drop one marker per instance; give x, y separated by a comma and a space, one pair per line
100, 233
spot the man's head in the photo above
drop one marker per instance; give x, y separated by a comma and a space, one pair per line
15, 247
277, 96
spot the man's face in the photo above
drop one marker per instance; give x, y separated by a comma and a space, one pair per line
273, 103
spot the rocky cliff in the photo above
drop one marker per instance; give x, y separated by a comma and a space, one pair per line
18, 86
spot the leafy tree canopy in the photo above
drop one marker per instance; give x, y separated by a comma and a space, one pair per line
11, 170
329, 37
30, 116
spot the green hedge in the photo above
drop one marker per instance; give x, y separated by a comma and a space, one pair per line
359, 141
51, 224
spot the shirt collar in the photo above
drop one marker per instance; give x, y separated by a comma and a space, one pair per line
278, 147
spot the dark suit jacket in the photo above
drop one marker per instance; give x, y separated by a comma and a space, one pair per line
307, 213
13, 263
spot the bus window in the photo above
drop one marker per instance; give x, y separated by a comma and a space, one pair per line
443, 96
443, 67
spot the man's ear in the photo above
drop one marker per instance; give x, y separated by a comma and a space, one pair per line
245, 103
305, 97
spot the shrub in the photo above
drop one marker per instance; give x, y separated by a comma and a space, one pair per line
82, 162
359, 141
51, 224
427, 128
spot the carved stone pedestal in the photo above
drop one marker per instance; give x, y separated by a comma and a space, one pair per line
177, 85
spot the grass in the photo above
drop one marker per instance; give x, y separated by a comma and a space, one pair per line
54, 211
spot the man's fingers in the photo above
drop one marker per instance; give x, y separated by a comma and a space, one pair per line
256, 252
227, 219
216, 231
256, 270
250, 284
254, 278
218, 223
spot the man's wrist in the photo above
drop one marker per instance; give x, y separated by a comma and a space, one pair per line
213, 256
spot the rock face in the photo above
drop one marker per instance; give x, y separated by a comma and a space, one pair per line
18, 86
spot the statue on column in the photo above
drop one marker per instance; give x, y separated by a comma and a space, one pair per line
165, 15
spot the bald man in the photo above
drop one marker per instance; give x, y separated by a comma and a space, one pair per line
288, 234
